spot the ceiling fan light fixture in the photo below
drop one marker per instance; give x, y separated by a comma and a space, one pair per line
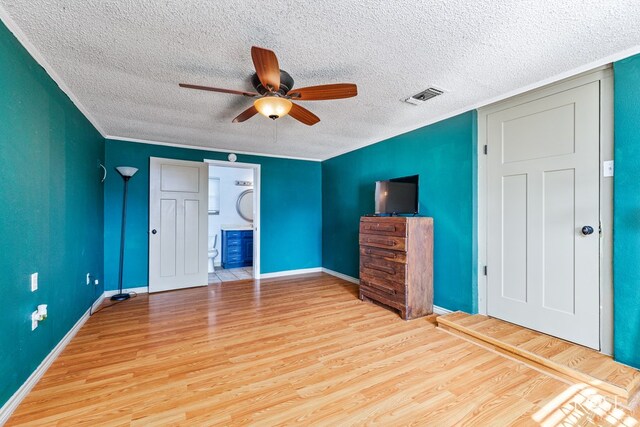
273, 107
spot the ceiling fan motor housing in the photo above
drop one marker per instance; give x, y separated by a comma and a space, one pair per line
286, 84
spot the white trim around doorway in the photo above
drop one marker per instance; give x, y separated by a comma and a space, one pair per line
256, 206
605, 76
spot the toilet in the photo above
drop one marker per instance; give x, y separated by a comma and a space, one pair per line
213, 252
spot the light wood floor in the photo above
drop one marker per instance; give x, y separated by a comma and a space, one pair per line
578, 362
297, 351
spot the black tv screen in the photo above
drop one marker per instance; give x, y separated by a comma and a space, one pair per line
397, 196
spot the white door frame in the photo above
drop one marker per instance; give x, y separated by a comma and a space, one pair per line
605, 76
256, 206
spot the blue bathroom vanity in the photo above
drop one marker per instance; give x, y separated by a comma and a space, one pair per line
237, 248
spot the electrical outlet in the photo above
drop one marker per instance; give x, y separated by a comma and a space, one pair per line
34, 282
96, 282
88, 278
34, 320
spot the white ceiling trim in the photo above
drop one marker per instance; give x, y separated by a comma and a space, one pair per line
210, 149
606, 61
39, 58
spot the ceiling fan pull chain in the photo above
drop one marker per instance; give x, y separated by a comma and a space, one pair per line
275, 140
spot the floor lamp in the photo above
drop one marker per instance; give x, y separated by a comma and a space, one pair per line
126, 172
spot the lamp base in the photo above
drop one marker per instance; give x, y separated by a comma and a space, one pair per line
120, 297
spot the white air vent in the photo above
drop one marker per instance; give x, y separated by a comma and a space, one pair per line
423, 96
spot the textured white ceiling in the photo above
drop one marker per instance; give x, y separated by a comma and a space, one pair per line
123, 60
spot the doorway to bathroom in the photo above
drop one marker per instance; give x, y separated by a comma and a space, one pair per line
233, 221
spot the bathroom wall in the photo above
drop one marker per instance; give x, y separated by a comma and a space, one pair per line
229, 193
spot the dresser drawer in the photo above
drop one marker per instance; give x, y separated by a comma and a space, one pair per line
234, 257
233, 234
384, 228
383, 294
383, 254
384, 270
386, 242
234, 249
234, 242
382, 284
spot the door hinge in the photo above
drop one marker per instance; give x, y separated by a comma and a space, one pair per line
485, 270
486, 149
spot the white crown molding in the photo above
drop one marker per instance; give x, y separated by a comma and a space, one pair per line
204, 148
37, 56
607, 60
10, 406
6, 18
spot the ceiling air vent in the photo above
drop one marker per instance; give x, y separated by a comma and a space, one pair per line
423, 96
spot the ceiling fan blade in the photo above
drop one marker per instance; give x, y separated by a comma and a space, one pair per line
267, 68
246, 115
303, 115
216, 89
322, 92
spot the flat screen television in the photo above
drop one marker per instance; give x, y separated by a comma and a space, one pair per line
397, 196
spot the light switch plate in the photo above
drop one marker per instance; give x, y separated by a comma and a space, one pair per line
607, 168
34, 282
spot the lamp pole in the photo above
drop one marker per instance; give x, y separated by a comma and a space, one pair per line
126, 173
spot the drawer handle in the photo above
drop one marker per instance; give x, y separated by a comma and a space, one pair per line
380, 227
387, 270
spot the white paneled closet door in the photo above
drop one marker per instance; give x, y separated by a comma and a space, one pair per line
178, 205
543, 214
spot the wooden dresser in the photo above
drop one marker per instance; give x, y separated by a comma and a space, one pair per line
396, 263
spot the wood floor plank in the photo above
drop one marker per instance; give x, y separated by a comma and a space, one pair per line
568, 359
292, 351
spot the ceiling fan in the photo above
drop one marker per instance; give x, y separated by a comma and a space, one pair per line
274, 91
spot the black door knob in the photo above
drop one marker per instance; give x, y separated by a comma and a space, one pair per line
154, 231
587, 229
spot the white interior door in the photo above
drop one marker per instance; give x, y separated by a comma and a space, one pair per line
178, 205
542, 189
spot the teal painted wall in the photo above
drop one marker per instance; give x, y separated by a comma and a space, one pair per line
626, 219
443, 154
291, 210
50, 212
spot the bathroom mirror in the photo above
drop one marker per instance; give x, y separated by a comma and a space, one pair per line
244, 205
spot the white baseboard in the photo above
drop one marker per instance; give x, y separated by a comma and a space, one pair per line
290, 272
441, 310
436, 309
140, 290
341, 276
13, 402
97, 303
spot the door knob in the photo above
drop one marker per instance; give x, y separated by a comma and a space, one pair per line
154, 231
587, 229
